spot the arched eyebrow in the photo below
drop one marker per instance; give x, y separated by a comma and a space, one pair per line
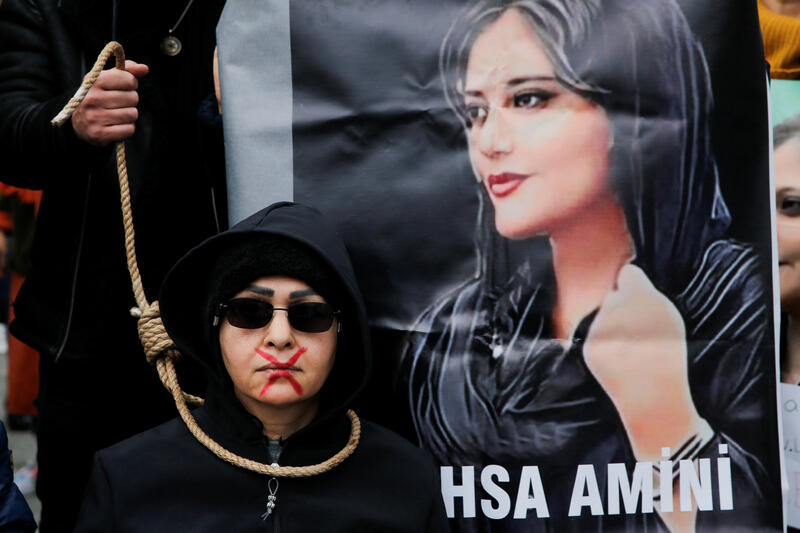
266, 291
515, 82
525, 79
301, 293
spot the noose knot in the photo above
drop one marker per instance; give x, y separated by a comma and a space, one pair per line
154, 337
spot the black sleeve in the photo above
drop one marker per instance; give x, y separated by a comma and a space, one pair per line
15, 515
733, 380
33, 152
97, 510
437, 520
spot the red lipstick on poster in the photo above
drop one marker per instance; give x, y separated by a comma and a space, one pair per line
501, 185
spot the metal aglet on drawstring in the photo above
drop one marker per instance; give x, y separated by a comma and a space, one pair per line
273, 491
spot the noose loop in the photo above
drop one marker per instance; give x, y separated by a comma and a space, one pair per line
159, 348
155, 340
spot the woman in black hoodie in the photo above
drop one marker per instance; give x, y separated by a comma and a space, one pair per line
272, 310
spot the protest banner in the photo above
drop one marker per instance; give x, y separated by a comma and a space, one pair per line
559, 213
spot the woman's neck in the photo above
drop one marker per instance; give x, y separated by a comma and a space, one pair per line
587, 257
281, 421
790, 370
788, 8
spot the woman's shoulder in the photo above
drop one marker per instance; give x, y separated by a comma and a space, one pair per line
386, 450
727, 269
439, 313
728, 295
477, 294
161, 444
378, 439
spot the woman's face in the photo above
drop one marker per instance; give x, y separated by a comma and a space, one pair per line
540, 149
277, 364
787, 190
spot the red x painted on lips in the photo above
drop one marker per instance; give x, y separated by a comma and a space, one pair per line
281, 370
276, 375
292, 360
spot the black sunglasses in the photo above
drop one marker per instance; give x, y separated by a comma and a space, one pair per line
251, 313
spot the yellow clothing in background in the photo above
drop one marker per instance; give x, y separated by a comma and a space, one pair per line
781, 43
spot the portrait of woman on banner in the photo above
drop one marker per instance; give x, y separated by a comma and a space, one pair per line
635, 329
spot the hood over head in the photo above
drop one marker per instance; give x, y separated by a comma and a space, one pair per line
282, 239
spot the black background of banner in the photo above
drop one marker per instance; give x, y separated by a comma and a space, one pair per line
379, 152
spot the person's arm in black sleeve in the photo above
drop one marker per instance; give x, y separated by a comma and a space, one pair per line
735, 389
437, 520
33, 152
97, 510
15, 515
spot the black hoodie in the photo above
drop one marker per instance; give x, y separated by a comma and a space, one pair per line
165, 480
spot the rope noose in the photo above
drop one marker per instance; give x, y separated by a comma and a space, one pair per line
158, 346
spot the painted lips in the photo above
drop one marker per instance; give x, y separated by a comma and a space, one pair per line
282, 366
278, 374
501, 185
281, 370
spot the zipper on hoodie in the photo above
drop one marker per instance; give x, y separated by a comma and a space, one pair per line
73, 290
272, 491
273, 484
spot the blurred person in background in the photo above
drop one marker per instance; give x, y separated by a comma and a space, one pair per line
18, 209
786, 144
95, 385
780, 28
15, 515
787, 198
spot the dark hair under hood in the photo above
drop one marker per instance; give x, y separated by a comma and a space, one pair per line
194, 287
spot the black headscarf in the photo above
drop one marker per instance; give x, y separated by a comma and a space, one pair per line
487, 382
642, 64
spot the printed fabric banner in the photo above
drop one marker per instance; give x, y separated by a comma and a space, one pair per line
559, 214
790, 403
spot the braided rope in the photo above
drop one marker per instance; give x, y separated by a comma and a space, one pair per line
167, 373
158, 346
111, 48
